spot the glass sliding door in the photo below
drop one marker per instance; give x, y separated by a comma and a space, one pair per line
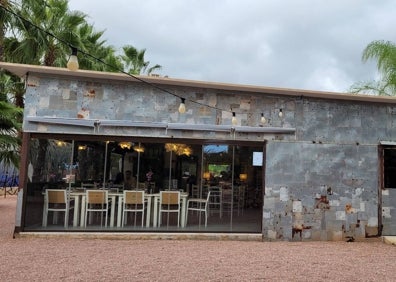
232, 175
49, 166
235, 186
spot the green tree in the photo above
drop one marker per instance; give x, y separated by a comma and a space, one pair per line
99, 56
10, 115
4, 24
38, 37
134, 62
34, 43
9, 128
385, 54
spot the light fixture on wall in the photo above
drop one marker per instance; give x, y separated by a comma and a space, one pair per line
138, 148
263, 120
234, 120
243, 176
125, 145
82, 147
280, 114
179, 149
60, 143
182, 107
72, 63
206, 175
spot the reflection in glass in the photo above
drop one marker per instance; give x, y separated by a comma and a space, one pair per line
194, 169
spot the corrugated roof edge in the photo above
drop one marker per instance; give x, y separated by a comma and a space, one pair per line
21, 70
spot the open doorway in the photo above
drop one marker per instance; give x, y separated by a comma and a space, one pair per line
388, 189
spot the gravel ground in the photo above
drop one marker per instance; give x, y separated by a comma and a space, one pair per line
38, 259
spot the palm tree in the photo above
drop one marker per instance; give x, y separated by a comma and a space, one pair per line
385, 54
4, 23
34, 43
134, 62
98, 56
9, 128
40, 40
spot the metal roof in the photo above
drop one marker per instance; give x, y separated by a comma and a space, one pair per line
22, 70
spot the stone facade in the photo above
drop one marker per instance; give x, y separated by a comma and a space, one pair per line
322, 182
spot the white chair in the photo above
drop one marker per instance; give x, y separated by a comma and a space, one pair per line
241, 198
200, 205
215, 199
134, 202
169, 203
56, 200
195, 191
97, 201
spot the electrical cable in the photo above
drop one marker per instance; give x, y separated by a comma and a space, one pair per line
108, 65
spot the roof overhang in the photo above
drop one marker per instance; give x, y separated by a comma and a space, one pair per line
22, 70
98, 123
387, 143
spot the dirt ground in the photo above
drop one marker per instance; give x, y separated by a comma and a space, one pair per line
38, 259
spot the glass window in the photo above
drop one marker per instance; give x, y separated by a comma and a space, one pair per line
228, 173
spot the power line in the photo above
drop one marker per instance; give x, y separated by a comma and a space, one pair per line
108, 65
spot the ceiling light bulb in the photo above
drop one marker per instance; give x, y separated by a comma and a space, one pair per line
72, 63
280, 113
182, 107
263, 120
234, 120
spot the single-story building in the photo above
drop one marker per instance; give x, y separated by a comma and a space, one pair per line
286, 164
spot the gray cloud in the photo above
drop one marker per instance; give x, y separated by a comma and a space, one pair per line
308, 44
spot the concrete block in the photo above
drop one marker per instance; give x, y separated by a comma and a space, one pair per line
340, 215
271, 234
362, 206
284, 194
316, 224
334, 225
297, 215
371, 231
386, 212
266, 215
334, 203
316, 235
362, 216
318, 214
297, 206
269, 202
372, 221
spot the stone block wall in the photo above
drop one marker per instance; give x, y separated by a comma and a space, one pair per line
320, 191
321, 183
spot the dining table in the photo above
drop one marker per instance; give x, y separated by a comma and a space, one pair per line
116, 198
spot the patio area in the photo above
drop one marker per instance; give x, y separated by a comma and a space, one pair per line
144, 259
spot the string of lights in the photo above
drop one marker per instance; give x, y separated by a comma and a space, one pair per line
73, 65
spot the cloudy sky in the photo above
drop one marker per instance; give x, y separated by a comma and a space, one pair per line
305, 44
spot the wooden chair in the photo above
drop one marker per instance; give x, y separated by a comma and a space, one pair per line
56, 200
200, 205
97, 201
169, 203
134, 202
142, 186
